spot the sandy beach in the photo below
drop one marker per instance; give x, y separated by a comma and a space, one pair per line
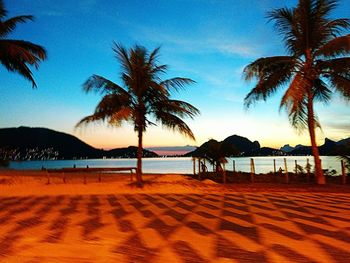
173, 218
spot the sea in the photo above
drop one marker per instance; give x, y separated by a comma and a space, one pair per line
184, 165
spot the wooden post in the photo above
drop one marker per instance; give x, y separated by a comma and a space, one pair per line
131, 175
199, 169
296, 167
234, 166
204, 164
274, 166
308, 170
286, 170
252, 170
224, 173
343, 174
194, 165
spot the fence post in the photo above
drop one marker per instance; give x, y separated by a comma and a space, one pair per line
308, 170
274, 166
234, 166
224, 173
199, 169
343, 175
296, 167
194, 165
252, 170
286, 170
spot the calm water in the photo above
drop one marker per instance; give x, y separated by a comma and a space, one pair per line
183, 164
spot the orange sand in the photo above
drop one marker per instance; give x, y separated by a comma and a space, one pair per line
173, 218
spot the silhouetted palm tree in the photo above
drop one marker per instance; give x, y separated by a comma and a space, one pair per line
17, 55
316, 65
144, 95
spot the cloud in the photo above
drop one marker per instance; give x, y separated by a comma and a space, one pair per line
196, 43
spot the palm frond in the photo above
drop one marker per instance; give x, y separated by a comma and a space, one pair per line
176, 83
16, 55
272, 73
153, 57
321, 92
22, 50
294, 101
342, 84
335, 27
335, 47
113, 108
334, 66
122, 55
100, 84
10, 24
178, 108
175, 123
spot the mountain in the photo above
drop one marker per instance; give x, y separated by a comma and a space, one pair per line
242, 144
287, 148
328, 148
25, 143
344, 142
235, 146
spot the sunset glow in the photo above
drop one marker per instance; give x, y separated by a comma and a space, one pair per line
211, 43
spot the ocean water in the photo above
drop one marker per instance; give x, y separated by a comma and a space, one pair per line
183, 164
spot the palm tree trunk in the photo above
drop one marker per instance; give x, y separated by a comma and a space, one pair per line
139, 158
311, 125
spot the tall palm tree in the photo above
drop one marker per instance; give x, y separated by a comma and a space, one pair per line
17, 55
317, 65
145, 96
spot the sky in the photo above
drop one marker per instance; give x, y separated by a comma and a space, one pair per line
209, 41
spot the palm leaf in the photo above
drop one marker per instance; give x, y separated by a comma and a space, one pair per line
176, 83
175, 123
177, 107
9, 25
100, 84
342, 84
272, 73
337, 46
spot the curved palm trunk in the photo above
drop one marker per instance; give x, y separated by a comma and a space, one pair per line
139, 158
311, 125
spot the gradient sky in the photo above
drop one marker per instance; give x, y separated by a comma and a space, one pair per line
209, 41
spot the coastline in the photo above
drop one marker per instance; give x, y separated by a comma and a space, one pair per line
34, 183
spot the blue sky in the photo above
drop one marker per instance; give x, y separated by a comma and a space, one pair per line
209, 41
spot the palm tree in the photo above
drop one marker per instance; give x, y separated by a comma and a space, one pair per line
17, 55
144, 96
316, 66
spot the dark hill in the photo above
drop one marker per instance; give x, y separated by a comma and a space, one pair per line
232, 146
328, 148
40, 143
